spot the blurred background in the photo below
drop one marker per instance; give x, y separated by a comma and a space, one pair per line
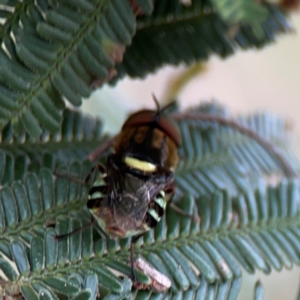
248, 81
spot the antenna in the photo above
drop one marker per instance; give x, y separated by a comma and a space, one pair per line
158, 111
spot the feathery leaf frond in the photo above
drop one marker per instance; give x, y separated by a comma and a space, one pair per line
76, 138
64, 50
218, 156
244, 11
207, 290
245, 223
176, 33
57, 51
258, 230
61, 50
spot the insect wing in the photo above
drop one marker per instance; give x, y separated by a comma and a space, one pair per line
133, 195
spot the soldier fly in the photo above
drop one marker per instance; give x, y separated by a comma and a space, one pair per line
131, 193
130, 197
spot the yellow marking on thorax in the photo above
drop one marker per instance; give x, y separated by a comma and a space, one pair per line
135, 163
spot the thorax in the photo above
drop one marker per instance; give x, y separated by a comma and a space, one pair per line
147, 144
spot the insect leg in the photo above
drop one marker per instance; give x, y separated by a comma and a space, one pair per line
171, 191
183, 213
62, 236
98, 167
71, 178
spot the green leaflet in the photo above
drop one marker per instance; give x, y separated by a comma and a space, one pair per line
258, 291
244, 11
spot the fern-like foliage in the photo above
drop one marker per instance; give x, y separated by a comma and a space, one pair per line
216, 156
56, 50
176, 33
77, 137
245, 223
242, 11
258, 230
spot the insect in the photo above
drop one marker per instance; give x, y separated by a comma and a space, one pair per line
131, 194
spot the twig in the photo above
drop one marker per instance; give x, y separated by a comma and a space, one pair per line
269, 147
101, 149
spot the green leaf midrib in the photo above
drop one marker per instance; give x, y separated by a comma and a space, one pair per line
59, 145
164, 22
19, 10
278, 224
195, 164
168, 243
63, 53
10, 233
234, 138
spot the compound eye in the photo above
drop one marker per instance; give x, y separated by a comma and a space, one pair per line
142, 117
164, 123
170, 128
